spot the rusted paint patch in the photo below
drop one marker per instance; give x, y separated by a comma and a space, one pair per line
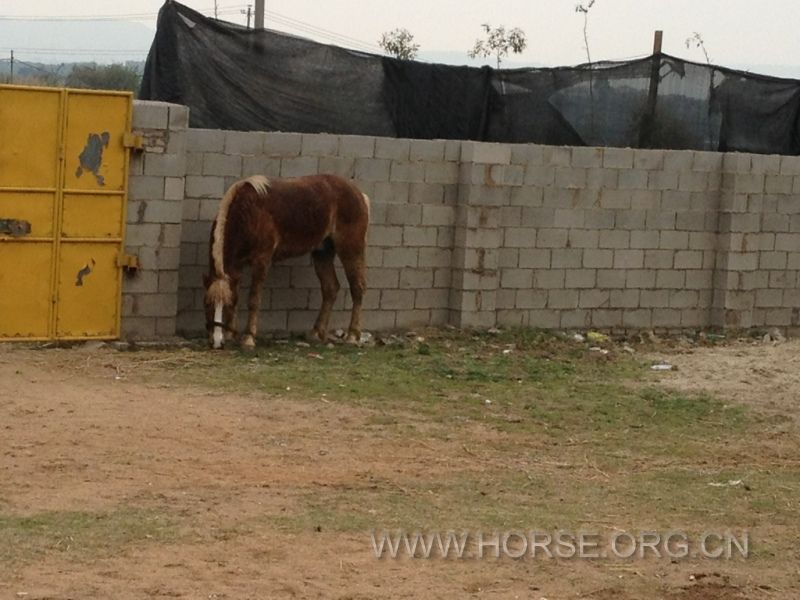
85, 270
15, 227
91, 158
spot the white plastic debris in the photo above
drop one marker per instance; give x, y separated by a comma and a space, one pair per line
662, 366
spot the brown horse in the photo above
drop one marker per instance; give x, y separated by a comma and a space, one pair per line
261, 221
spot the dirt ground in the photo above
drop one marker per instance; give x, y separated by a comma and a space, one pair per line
208, 474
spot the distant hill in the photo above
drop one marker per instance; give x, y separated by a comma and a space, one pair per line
75, 41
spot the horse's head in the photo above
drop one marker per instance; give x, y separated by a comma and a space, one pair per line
219, 300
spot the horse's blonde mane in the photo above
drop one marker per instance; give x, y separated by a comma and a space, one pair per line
220, 290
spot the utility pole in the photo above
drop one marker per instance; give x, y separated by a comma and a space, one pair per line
248, 13
259, 21
216, 14
12, 67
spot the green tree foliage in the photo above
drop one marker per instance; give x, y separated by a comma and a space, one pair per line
499, 43
399, 43
104, 77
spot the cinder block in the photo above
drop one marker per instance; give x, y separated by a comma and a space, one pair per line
204, 186
431, 298
428, 150
178, 117
683, 299
625, 298
606, 319
516, 278
584, 238
320, 144
644, 239
551, 238
426, 193
662, 180
244, 142
571, 178
222, 165
618, 158
562, 299
566, 258
688, 259
599, 219
576, 319
482, 152
580, 278
393, 149
544, 319
569, 218
612, 278
297, 167
372, 169
282, 144
639, 278
531, 299
654, 298
534, 258
597, 259
157, 305
400, 257
357, 146
667, 318
419, 236
633, 179
443, 172
205, 140
142, 234
677, 240
637, 319
628, 259
585, 158
648, 160
540, 175
611, 238
163, 211
557, 156
548, 279
146, 188
670, 279
710, 162
678, 160
174, 188
148, 114
344, 167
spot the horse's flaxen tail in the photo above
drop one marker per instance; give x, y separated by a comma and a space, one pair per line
220, 288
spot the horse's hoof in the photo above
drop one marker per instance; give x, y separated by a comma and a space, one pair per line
315, 336
248, 343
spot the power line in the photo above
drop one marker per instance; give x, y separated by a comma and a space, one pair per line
229, 9
321, 32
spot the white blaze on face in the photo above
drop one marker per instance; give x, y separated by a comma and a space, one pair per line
218, 337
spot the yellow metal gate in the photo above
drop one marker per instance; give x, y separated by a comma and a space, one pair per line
63, 192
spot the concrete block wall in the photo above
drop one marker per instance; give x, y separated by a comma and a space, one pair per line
154, 220
479, 234
413, 187
608, 238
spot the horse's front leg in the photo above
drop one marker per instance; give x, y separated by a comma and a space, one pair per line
260, 269
231, 315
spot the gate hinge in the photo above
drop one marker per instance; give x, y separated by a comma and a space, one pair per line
129, 262
133, 141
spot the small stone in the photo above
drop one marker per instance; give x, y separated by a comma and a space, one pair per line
494, 331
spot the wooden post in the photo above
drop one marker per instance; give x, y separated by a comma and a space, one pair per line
658, 38
649, 116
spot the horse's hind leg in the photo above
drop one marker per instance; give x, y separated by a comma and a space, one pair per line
329, 282
355, 268
260, 269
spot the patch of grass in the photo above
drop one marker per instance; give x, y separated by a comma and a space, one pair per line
80, 535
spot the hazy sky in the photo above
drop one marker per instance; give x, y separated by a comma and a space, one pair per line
736, 32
